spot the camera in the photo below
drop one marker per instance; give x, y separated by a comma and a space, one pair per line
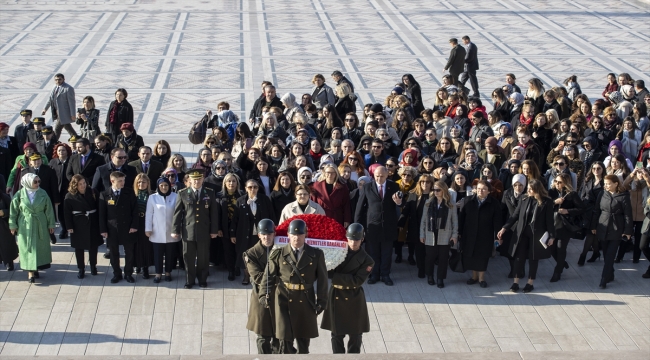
400, 194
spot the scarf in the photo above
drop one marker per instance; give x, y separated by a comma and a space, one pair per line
143, 196
316, 157
4, 142
231, 201
609, 125
286, 192
643, 149
27, 181
433, 214
112, 117
523, 121
160, 181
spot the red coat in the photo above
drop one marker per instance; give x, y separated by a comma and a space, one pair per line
337, 204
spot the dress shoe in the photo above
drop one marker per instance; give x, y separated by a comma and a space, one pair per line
411, 260
472, 281
93, 270
646, 275
63, 234
129, 279
514, 287
482, 284
566, 265
430, 280
145, 273
231, 276
10, 266
203, 284
188, 286
594, 256
116, 279
237, 271
168, 278
441, 283
372, 280
421, 273
581, 260
246, 281
398, 259
635, 261
386, 279
528, 288
37, 275
138, 270
81, 274
556, 277
603, 283
617, 260
31, 280
156, 279
107, 254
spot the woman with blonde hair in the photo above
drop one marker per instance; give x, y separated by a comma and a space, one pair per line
345, 100
551, 117
271, 128
143, 255
210, 140
441, 103
438, 231
332, 195
535, 94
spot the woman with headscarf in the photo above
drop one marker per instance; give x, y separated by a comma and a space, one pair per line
8, 246
505, 140
291, 107
409, 158
616, 147
304, 176
511, 198
158, 227
472, 165
143, 256
82, 222
31, 220
215, 180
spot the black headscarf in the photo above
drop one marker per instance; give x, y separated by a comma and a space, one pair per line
160, 181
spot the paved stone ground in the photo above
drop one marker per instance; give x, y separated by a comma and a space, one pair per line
177, 59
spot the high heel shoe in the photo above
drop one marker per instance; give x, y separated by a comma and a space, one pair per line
528, 288
514, 287
430, 280
31, 280
581, 260
566, 265
594, 256
556, 277
603, 283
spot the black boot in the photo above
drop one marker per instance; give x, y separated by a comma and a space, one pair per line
421, 273
430, 280
145, 272
93, 270
594, 256
81, 274
231, 276
581, 260
10, 266
398, 259
603, 283
645, 276
556, 277
63, 234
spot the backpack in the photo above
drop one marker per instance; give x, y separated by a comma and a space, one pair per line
197, 132
230, 129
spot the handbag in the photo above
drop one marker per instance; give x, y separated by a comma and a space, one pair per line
571, 224
456, 262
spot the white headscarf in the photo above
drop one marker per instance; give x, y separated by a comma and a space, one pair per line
27, 181
300, 171
518, 178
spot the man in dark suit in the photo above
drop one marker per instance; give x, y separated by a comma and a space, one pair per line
118, 222
20, 132
377, 212
456, 62
84, 162
471, 66
196, 221
102, 177
46, 145
49, 182
8, 151
145, 165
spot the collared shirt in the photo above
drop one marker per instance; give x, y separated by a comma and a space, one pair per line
197, 192
381, 189
299, 251
145, 166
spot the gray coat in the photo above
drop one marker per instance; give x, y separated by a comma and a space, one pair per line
450, 230
646, 220
325, 96
63, 104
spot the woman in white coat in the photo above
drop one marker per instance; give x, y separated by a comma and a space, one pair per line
302, 205
158, 227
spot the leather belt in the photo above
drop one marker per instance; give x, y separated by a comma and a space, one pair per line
343, 287
297, 286
84, 213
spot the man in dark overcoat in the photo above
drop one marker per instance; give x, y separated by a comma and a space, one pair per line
260, 318
347, 311
294, 268
118, 221
84, 162
196, 221
456, 62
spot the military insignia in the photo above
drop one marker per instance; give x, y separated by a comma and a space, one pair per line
111, 202
369, 269
206, 206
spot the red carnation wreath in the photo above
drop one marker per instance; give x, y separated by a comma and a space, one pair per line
322, 232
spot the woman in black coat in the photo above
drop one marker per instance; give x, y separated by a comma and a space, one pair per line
589, 192
413, 87
227, 198
82, 222
479, 220
610, 222
510, 201
119, 112
8, 246
568, 206
245, 220
282, 194
534, 219
411, 215
129, 141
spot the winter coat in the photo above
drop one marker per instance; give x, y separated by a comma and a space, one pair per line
32, 220
159, 218
81, 214
542, 222
612, 216
444, 235
292, 209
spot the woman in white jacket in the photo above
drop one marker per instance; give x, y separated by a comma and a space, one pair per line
302, 205
158, 227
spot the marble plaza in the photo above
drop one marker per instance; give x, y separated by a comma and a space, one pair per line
179, 58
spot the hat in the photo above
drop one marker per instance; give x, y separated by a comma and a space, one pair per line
26, 112
376, 108
35, 156
337, 73
127, 126
354, 232
297, 227
39, 120
47, 130
398, 90
195, 174
30, 145
3, 126
265, 227
72, 139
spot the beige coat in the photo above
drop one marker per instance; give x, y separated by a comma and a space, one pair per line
292, 209
444, 235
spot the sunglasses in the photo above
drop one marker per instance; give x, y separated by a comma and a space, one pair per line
305, 176
220, 168
349, 120
171, 176
37, 181
352, 159
390, 165
377, 147
437, 190
559, 163
412, 143
122, 157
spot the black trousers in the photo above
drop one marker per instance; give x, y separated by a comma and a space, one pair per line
58, 127
59, 211
229, 254
645, 248
439, 254
381, 252
267, 345
454, 78
420, 256
286, 346
196, 252
92, 257
473, 80
129, 252
521, 254
558, 250
609, 253
166, 251
591, 241
354, 344
400, 245
215, 251
179, 254
626, 246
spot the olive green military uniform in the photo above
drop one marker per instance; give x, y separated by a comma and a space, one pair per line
347, 311
196, 216
260, 319
295, 316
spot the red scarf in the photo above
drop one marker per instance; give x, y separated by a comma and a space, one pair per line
315, 156
645, 147
523, 121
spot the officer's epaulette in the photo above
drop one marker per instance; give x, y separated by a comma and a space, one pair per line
209, 189
184, 190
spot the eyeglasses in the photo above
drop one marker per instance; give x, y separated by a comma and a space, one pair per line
220, 168
349, 120
351, 158
377, 147
407, 175
210, 142
252, 187
437, 190
122, 157
37, 181
302, 194
560, 163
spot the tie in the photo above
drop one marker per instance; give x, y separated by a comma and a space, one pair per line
83, 160
36, 171
145, 167
381, 192
296, 253
117, 193
58, 88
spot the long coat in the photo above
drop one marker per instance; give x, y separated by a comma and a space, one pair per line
336, 204
378, 216
8, 156
60, 168
124, 115
444, 235
411, 216
76, 208
63, 104
243, 223
612, 216
260, 319
93, 161
195, 219
542, 222
159, 217
478, 228
324, 96
279, 201
294, 315
49, 181
8, 246
347, 311
117, 215
456, 62
33, 221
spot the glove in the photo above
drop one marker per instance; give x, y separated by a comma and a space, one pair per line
265, 302
319, 309
53, 239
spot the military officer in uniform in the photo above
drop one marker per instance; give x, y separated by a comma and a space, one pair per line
195, 221
46, 145
20, 132
347, 312
35, 134
260, 318
295, 267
